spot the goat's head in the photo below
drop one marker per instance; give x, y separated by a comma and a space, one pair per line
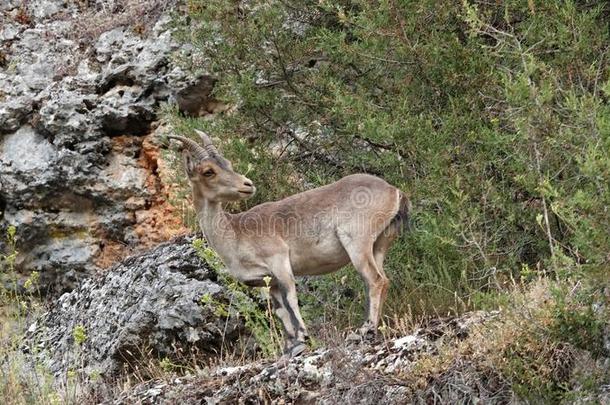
211, 175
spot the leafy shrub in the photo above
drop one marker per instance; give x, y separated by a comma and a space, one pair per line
524, 354
494, 116
580, 318
259, 320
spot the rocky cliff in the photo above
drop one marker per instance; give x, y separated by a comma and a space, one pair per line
80, 87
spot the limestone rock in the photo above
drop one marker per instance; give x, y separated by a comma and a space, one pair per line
78, 123
148, 305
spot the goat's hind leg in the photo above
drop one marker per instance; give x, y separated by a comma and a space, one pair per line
376, 283
380, 249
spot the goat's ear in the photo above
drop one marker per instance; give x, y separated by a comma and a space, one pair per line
189, 162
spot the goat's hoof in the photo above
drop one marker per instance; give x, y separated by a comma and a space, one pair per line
295, 350
370, 337
367, 331
365, 334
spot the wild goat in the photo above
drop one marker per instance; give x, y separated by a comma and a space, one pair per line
314, 232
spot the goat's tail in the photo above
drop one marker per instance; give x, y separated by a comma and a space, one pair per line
402, 220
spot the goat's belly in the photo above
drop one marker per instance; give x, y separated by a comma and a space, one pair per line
320, 258
253, 276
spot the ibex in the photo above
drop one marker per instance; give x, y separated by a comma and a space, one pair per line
314, 232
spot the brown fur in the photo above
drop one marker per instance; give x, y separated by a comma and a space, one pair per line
355, 220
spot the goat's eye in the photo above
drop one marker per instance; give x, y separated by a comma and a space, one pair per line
209, 173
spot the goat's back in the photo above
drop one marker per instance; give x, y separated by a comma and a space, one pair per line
351, 196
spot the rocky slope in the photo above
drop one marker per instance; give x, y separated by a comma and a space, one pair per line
148, 305
167, 304
80, 87
353, 373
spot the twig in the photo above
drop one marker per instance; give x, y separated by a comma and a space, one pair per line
544, 206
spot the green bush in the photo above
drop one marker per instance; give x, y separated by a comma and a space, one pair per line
258, 320
494, 116
580, 320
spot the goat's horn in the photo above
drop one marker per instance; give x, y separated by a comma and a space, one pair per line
207, 143
191, 145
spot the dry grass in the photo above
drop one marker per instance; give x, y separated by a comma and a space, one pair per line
21, 381
138, 15
514, 356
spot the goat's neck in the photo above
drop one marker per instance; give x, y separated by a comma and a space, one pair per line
216, 226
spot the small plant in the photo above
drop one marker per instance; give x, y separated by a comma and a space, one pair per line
32, 282
8, 259
167, 365
260, 322
220, 308
95, 375
577, 322
208, 255
9, 276
274, 336
80, 334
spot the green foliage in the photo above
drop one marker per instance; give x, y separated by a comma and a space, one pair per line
32, 281
20, 301
79, 334
170, 367
493, 115
7, 261
554, 342
258, 320
208, 255
532, 376
580, 319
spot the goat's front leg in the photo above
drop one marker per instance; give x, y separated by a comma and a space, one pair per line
285, 302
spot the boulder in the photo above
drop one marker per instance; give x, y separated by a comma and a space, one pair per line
148, 306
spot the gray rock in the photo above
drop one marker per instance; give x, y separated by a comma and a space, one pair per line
13, 111
148, 305
42, 9
9, 32
74, 117
25, 151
